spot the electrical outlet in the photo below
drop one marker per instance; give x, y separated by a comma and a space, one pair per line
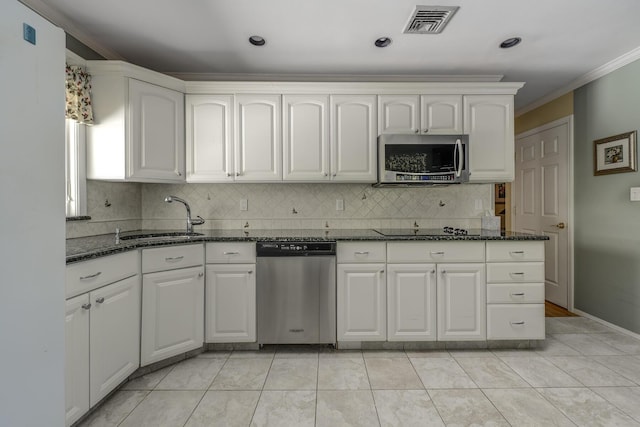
29, 33
339, 204
244, 204
478, 204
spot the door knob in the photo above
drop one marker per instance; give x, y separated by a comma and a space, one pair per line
560, 225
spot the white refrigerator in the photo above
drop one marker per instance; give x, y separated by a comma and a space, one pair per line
32, 219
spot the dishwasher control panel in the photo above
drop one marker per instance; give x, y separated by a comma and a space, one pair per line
291, 248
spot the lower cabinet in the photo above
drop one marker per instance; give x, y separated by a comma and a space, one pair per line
361, 302
411, 302
173, 318
230, 303
461, 302
102, 344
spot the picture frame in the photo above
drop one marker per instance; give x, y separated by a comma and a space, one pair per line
615, 154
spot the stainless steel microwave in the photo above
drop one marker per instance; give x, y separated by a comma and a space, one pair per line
406, 159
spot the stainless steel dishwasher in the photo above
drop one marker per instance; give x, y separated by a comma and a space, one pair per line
296, 292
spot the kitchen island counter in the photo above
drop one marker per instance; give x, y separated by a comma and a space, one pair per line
85, 248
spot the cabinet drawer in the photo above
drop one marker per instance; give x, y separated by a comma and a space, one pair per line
356, 252
515, 251
88, 275
171, 257
444, 251
518, 272
515, 321
515, 293
231, 252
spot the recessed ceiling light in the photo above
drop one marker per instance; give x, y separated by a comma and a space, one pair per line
257, 41
511, 42
383, 42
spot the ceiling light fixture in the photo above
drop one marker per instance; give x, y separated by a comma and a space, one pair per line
257, 41
383, 42
511, 42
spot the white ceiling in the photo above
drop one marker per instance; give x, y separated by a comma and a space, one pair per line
563, 40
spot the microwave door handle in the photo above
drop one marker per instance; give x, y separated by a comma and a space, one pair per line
457, 156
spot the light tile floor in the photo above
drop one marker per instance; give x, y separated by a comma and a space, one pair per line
585, 374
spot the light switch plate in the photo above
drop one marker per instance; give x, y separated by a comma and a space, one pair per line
634, 194
244, 204
29, 33
339, 204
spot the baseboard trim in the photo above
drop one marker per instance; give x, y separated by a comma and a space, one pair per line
604, 322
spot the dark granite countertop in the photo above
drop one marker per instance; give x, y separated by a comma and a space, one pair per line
85, 248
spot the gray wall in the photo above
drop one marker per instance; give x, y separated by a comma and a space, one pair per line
607, 224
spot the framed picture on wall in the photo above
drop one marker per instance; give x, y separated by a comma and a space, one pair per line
615, 154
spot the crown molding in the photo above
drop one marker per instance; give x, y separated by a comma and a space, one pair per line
595, 74
62, 21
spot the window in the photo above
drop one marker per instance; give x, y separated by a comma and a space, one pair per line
75, 169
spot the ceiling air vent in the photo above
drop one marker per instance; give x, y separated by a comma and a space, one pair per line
430, 19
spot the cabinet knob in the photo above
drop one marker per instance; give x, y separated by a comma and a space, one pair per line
250, 272
179, 173
86, 306
425, 131
326, 174
560, 225
100, 300
433, 272
444, 272
417, 131
238, 174
200, 274
229, 174
335, 174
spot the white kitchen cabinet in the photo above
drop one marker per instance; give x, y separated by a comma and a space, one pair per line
258, 137
172, 301
420, 114
230, 303
209, 138
411, 302
76, 358
306, 154
102, 334
230, 306
138, 134
114, 336
515, 290
461, 302
353, 138
361, 302
488, 120
173, 313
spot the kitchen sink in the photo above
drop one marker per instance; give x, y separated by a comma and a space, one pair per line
160, 235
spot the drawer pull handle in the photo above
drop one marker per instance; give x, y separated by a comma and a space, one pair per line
517, 273
437, 253
517, 252
100, 300
517, 323
517, 294
250, 272
174, 258
230, 253
91, 276
381, 271
361, 252
86, 306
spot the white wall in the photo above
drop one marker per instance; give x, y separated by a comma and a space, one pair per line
32, 228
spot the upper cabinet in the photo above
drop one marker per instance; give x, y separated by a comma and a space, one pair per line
353, 138
420, 114
138, 133
488, 120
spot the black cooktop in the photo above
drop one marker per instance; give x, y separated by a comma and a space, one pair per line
448, 231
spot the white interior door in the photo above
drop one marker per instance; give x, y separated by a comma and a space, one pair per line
541, 199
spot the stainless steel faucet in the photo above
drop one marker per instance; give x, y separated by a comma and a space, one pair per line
190, 222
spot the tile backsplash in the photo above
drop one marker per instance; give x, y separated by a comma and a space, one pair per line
133, 206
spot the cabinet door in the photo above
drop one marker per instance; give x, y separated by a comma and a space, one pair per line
115, 335
258, 138
461, 302
209, 131
306, 138
411, 302
353, 138
441, 114
76, 358
172, 313
230, 303
156, 133
398, 114
361, 302
488, 119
